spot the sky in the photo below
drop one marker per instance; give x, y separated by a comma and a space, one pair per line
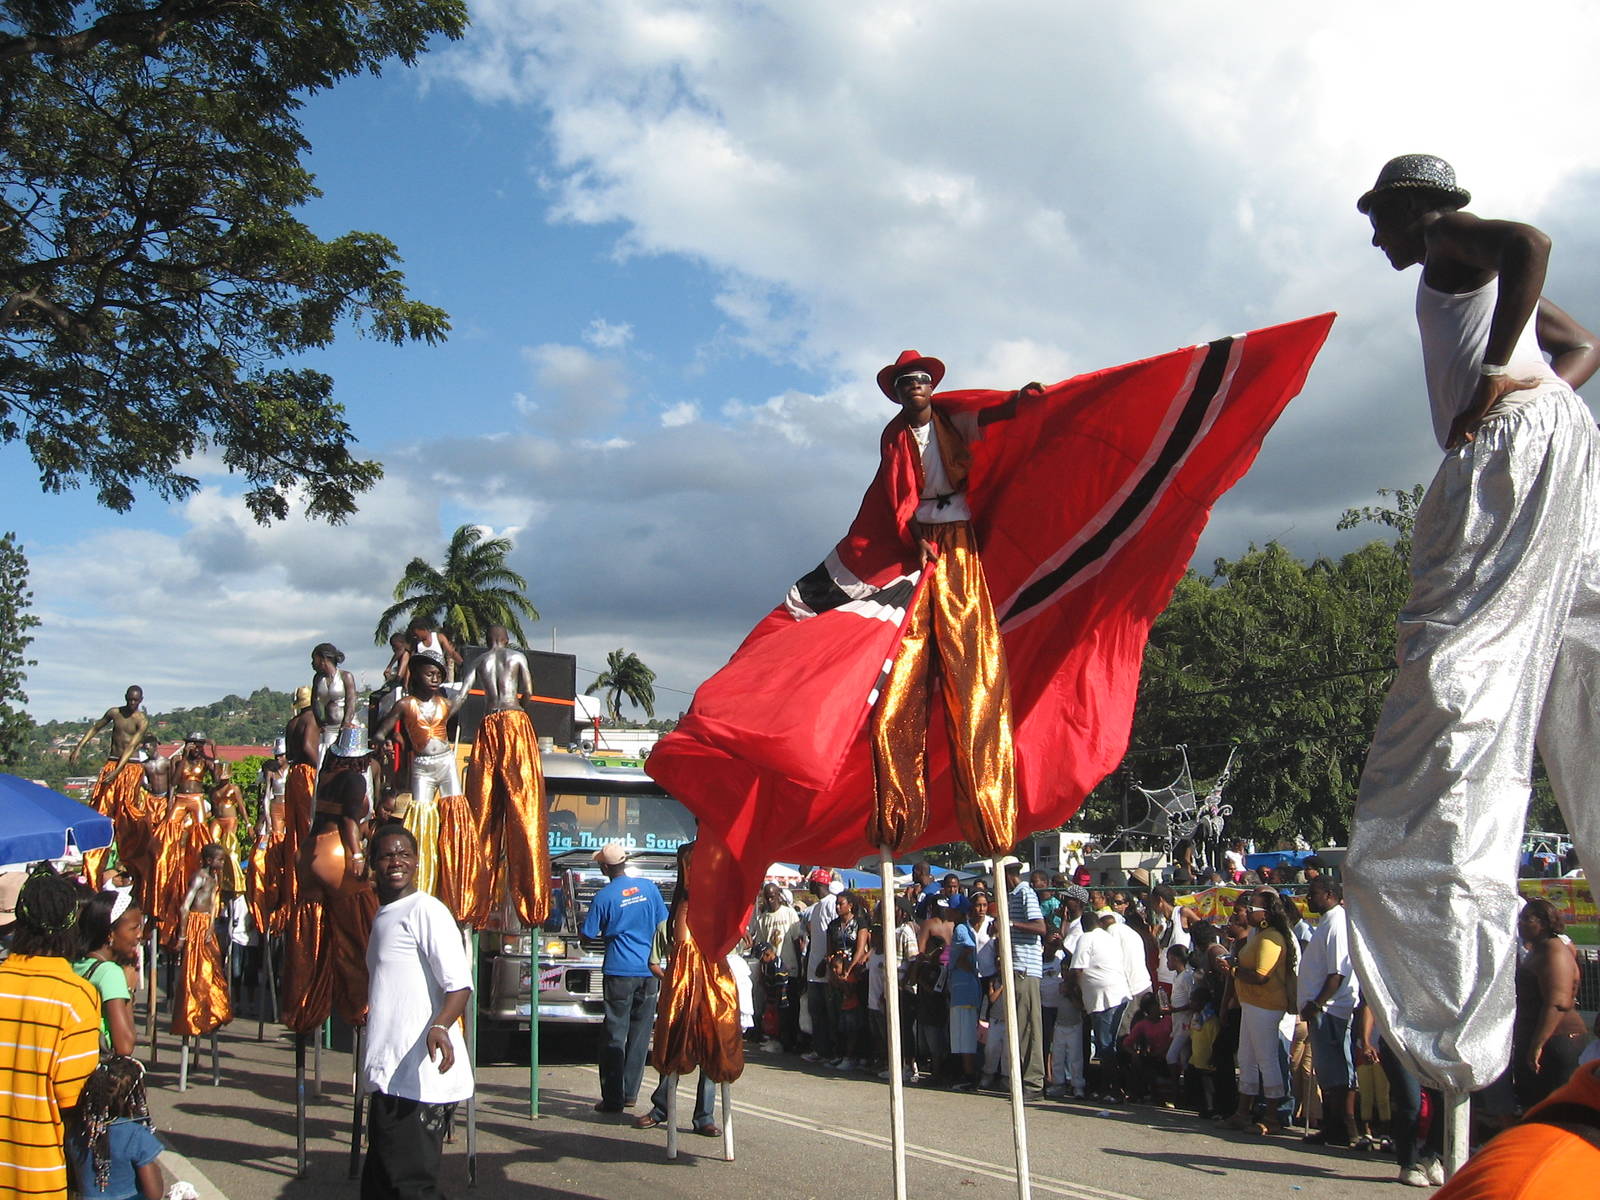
677, 240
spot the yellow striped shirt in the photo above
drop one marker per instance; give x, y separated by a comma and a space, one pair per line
49, 1043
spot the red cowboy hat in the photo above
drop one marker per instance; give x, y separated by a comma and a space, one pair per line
909, 360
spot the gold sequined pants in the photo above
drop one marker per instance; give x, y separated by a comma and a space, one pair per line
952, 621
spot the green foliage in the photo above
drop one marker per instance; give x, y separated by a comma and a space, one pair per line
1289, 661
625, 675
246, 774
473, 590
15, 621
153, 274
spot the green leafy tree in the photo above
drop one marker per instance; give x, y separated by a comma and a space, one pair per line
15, 621
153, 275
625, 676
1287, 660
471, 591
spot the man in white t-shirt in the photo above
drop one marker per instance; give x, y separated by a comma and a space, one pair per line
818, 917
1327, 997
1102, 982
415, 1064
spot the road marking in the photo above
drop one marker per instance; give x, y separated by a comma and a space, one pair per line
942, 1158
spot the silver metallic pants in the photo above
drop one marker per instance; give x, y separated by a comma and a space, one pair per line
1499, 645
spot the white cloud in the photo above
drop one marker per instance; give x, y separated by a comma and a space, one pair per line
603, 335
685, 412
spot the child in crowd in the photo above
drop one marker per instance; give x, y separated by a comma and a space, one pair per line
933, 1011
112, 1151
1185, 979
1204, 1029
1066, 1044
1147, 1043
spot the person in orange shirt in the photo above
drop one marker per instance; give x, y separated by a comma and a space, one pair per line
1553, 1151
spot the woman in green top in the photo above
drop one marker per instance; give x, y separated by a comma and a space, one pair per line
111, 924
1264, 982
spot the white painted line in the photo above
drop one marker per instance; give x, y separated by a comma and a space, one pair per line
942, 1158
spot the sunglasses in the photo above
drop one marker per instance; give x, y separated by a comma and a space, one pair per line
913, 377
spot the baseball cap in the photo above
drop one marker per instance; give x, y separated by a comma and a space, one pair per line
611, 854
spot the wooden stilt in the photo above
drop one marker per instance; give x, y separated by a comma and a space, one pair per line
183, 1063
891, 1005
1019, 1127
216, 1069
672, 1116
727, 1122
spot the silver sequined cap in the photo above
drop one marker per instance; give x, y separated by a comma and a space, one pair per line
1416, 171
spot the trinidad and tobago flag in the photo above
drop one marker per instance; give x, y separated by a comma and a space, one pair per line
1088, 498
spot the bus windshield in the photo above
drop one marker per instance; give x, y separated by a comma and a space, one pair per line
581, 821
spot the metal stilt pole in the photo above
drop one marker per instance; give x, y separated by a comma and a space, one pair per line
183, 1064
318, 1037
355, 1119
300, 1105
672, 1117
727, 1122
1457, 1118
216, 1069
1019, 1127
891, 1005
150, 992
472, 1060
533, 1028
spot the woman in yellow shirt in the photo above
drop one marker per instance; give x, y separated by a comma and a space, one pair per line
1263, 980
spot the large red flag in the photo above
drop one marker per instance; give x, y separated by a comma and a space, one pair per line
1088, 498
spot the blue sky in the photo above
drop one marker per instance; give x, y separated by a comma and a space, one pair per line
677, 239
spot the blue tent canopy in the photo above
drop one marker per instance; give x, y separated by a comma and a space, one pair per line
37, 823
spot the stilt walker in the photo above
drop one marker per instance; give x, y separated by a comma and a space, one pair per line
202, 1002
969, 653
1498, 641
697, 1017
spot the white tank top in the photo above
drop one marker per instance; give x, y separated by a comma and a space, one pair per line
1455, 328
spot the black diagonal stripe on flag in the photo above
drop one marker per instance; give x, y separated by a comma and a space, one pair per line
1144, 493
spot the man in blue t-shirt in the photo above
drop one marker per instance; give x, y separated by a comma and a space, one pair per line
625, 913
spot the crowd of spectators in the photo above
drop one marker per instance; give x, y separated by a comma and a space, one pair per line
1128, 995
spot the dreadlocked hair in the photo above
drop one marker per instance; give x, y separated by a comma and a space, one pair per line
47, 916
114, 1090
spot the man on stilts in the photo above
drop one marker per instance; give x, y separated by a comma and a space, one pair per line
1498, 642
116, 788
505, 784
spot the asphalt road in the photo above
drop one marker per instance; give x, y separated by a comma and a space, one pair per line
799, 1132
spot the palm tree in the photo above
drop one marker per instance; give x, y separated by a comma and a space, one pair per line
625, 675
473, 590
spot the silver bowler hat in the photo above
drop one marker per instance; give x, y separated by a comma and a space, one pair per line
1416, 171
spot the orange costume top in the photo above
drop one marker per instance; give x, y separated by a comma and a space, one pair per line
1535, 1159
423, 728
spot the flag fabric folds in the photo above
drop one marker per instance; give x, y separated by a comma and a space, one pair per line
1088, 498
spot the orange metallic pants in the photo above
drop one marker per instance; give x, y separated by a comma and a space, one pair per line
116, 794
952, 620
202, 1002
505, 788
697, 1018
